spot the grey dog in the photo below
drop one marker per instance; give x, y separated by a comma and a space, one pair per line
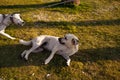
6, 20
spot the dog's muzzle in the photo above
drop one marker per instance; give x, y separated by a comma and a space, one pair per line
21, 24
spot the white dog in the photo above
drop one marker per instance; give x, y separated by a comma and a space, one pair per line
6, 20
65, 46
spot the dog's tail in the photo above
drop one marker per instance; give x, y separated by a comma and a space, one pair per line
25, 42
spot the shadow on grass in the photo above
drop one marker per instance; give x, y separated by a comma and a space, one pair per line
77, 23
27, 6
10, 56
56, 24
35, 6
55, 6
94, 55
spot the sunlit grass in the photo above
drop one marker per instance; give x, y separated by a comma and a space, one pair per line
96, 24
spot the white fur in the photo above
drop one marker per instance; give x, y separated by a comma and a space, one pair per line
5, 22
63, 47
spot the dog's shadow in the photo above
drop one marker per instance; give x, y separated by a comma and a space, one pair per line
94, 55
10, 56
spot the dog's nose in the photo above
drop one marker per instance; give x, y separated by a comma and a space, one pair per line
23, 22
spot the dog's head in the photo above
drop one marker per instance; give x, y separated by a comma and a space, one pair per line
69, 40
16, 18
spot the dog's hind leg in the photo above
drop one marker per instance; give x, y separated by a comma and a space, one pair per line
38, 50
34, 46
23, 53
7, 35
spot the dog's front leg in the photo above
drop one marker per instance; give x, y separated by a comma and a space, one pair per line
50, 57
7, 35
68, 59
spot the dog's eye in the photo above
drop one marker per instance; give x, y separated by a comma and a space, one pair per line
20, 17
65, 38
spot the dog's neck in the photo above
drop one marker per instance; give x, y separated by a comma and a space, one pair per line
60, 41
11, 18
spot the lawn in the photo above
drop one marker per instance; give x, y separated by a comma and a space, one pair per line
95, 22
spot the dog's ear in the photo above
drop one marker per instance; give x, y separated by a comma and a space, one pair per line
75, 41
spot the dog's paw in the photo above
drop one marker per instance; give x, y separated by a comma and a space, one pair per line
68, 62
46, 61
13, 38
26, 58
24, 53
21, 55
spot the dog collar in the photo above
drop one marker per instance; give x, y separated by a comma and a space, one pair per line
3, 16
11, 18
60, 41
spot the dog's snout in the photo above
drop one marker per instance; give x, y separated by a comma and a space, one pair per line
23, 22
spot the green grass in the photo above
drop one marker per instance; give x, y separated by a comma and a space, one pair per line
95, 22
